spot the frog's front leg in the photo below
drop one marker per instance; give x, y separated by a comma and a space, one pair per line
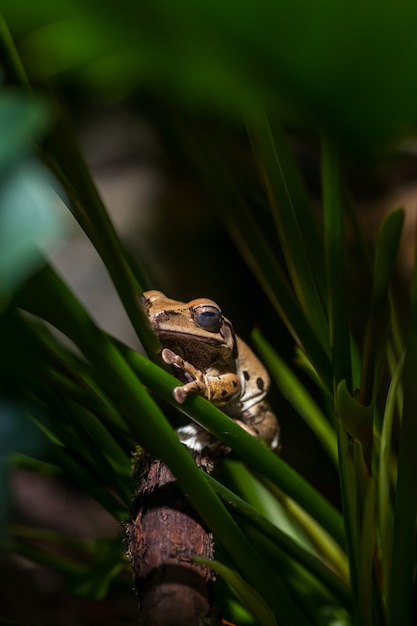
218, 389
197, 385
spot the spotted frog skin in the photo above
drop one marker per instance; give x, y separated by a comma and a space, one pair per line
210, 360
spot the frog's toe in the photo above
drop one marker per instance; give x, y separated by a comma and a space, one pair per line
168, 356
180, 394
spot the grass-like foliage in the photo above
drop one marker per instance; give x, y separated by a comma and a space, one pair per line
287, 553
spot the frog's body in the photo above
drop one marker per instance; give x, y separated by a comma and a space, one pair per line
200, 343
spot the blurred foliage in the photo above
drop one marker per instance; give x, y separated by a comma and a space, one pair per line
344, 67
345, 72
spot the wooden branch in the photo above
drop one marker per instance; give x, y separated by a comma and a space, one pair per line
164, 534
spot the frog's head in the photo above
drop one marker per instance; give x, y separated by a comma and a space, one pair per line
189, 323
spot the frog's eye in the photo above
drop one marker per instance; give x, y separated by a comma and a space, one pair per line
208, 317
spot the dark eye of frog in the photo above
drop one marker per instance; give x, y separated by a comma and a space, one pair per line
208, 317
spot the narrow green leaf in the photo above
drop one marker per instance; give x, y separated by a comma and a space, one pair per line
350, 511
55, 409
326, 546
405, 511
385, 499
376, 333
72, 422
264, 498
72, 374
11, 57
366, 539
293, 221
297, 396
291, 547
111, 466
255, 250
356, 418
252, 600
335, 263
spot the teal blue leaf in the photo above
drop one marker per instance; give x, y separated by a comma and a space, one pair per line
22, 120
29, 220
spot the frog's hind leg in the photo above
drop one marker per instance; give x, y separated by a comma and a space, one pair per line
260, 422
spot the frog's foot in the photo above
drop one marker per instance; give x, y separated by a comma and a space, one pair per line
196, 385
249, 429
271, 440
260, 422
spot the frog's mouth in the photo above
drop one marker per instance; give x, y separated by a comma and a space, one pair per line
177, 337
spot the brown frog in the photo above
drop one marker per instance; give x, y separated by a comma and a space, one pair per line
210, 360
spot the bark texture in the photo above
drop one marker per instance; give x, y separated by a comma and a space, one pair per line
164, 535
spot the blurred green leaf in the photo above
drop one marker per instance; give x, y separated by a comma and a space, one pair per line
22, 120
16, 432
29, 216
328, 63
89, 566
29, 219
94, 581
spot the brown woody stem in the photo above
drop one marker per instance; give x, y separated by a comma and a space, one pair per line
164, 534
